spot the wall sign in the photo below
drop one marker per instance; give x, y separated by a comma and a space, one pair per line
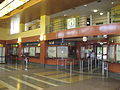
71, 23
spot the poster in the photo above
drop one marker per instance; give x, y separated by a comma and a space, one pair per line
104, 49
82, 52
111, 53
62, 52
32, 51
37, 49
118, 53
14, 51
26, 50
51, 52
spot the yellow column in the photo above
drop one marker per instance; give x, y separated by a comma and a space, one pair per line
44, 21
22, 27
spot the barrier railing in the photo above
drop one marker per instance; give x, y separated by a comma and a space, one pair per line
89, 66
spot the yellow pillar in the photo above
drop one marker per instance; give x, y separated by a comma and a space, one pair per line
44, 21
22, 27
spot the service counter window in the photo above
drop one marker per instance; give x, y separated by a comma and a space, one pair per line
82, 52
13, 49
111, 53
118, 53
62, 52
61, 49
32, 52
52, 52
31, 49
37, 53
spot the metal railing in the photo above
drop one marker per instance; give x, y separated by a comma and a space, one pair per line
89, 66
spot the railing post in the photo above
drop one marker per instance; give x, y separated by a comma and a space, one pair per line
103, 68
91, 63
57, 64
107, 72
88, 65
70, 68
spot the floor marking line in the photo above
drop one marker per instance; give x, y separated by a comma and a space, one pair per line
40, 80
7, 85
13, 68
24, 82
51, 78
5, 69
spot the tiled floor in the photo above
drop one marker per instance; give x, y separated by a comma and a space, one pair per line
14, 77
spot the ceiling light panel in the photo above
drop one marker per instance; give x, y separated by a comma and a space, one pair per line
13, 5
95, 10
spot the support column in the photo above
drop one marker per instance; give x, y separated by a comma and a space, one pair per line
43, 52
22, 27
44, 21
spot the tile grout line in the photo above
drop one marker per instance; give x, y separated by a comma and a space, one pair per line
5, 69
24, 82
40, 80
7, 85
51, 78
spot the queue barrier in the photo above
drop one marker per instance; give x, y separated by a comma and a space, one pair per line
84, 66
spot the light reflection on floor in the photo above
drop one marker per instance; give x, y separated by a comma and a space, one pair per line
36, 78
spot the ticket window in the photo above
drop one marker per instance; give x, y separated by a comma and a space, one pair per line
2, 54
102, 52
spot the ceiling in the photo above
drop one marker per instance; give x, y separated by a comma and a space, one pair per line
103, 6
58, 8
47, 7
1, 1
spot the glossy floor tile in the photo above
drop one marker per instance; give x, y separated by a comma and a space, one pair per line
14, 77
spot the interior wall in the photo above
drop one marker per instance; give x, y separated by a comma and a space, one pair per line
3, 33
25, 34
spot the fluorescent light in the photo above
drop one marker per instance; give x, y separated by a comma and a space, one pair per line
101, 13
6, 7
65, 14
85, 5
95, 10
84, 39
112, 2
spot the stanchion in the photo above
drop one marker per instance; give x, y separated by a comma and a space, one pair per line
95, 63
26, 63
70, 68
57, 64
65, 64
82, 66
107, 72
98, 63
103, 68
88, 65
91, 64
16, 63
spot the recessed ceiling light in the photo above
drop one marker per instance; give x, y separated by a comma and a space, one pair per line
85, 5
101, 13
88, 22
112, 2
95, 10
65, 14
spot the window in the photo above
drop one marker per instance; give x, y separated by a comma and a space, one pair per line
15, 24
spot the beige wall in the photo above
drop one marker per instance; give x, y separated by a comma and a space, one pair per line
5, 32
25, 34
